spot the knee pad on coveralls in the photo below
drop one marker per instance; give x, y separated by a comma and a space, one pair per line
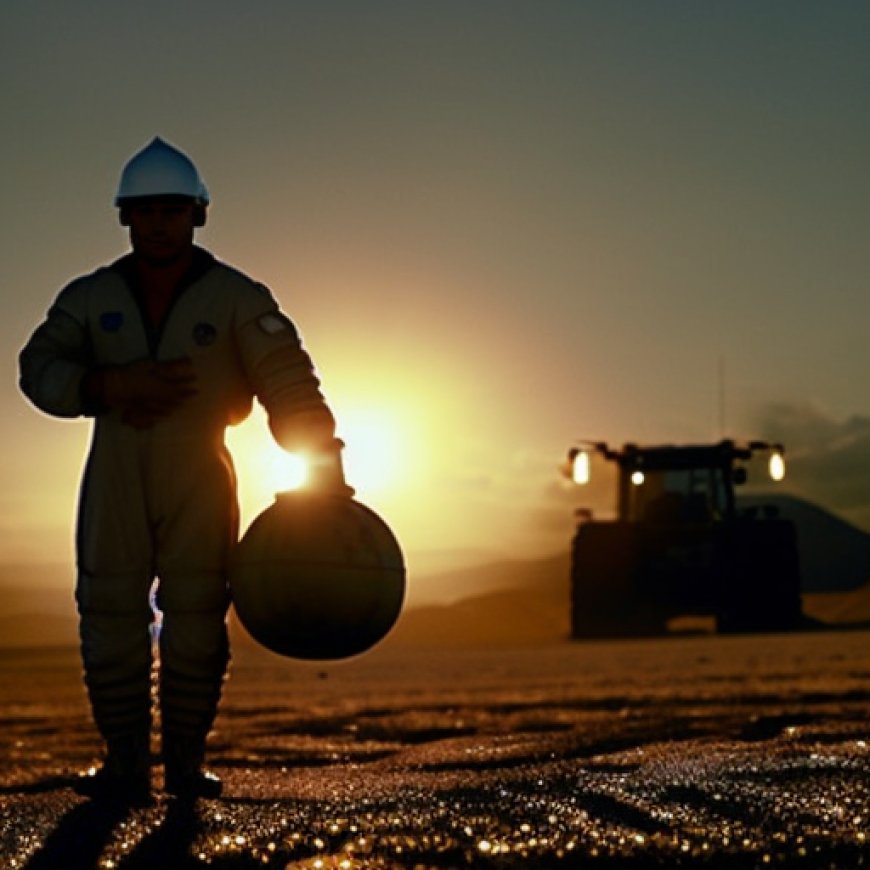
194, 651
116, 653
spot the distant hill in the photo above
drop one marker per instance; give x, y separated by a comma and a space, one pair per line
457, 584
523, 602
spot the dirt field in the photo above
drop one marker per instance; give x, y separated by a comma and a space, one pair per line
681, 752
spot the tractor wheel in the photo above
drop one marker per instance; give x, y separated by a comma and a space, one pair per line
760, 581
606, 598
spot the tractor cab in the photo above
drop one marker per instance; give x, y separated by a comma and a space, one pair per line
690, 484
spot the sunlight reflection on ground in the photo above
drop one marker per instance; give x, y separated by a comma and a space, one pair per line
678, 752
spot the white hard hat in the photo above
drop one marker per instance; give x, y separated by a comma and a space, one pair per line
159, 169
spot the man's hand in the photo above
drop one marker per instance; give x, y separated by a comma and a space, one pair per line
312, 434
147, 391
326, 470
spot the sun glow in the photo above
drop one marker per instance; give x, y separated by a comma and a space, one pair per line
287, 470
262, 467
373, 451
375, 457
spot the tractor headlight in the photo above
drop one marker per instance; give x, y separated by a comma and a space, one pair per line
776, 465
580, 468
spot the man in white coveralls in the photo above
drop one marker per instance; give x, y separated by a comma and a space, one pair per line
164, 348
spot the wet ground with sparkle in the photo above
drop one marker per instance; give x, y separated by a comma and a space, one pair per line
678, 752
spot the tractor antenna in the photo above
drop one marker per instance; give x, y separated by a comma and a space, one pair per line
721, 396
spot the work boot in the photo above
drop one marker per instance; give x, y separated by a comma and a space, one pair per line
125, 776
185, 777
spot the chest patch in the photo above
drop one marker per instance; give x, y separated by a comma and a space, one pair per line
111, 321
204, 334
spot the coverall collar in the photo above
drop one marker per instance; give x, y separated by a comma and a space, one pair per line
201, 263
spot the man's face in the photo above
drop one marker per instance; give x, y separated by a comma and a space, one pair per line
161, 228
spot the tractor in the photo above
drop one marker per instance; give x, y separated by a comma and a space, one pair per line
680, 545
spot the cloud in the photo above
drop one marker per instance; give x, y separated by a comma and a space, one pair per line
828, 459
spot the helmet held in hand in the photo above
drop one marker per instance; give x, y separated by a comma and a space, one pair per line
317, 576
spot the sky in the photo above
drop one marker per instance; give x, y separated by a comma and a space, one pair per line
500, 227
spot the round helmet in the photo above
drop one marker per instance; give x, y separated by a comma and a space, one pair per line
317, 577
159, 169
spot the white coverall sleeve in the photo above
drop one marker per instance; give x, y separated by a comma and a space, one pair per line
282, 375
56, 358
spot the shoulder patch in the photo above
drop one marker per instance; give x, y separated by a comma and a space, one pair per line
275, 322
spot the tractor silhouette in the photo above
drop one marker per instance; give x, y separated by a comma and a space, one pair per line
680, 544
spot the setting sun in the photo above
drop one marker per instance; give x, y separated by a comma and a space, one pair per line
285, 470
374, 458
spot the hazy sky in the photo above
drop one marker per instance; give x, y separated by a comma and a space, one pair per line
499, 226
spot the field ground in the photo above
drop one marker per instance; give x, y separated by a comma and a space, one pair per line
678, 752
